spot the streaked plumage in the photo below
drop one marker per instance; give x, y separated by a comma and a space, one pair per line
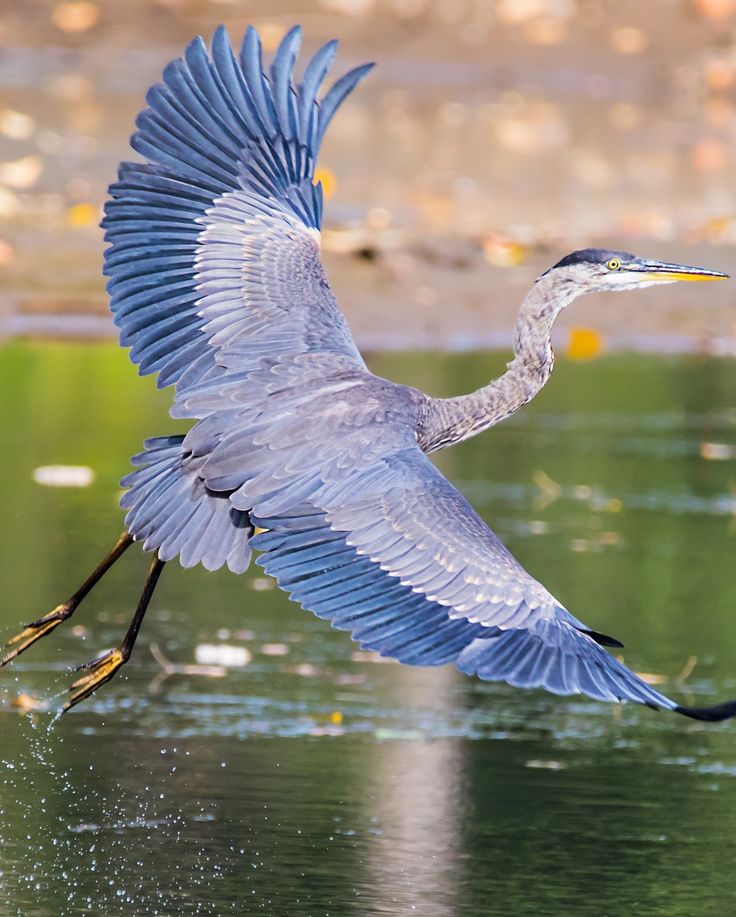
217, 286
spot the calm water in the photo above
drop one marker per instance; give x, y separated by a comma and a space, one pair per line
316, 782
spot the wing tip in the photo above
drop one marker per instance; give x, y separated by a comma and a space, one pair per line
602, 639
714, 714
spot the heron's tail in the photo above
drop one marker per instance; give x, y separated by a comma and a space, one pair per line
171, 509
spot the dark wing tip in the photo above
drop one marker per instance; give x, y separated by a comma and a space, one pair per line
602, 639
715, 714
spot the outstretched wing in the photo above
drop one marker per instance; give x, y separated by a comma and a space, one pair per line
214, 241
365, 532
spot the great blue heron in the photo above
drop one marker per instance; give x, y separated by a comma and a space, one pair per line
298, 450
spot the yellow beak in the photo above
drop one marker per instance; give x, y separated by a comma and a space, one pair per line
663, 271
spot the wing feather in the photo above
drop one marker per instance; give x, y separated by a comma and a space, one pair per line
325, 574
383, 546
213, 259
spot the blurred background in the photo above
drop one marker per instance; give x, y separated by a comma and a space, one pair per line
250, 759
493, 137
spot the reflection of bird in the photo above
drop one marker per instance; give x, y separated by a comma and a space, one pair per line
297, 450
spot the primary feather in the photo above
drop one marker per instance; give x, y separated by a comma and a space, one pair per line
213, 253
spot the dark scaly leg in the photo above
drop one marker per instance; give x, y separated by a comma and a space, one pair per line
27, 637
101, 670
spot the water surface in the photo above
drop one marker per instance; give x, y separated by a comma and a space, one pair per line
316, 781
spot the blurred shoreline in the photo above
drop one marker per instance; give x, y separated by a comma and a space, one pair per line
491, 139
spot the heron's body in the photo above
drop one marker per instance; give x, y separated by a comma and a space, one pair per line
296, 449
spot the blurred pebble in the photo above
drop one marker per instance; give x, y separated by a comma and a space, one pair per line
592, 168
63, 475
329, 730
386, 734
21, 173
70, 87
24, 703
7, 253
378, 218
719, 73
647, 223
545, 31
9, 204
473, 33
453, 113
224, 654
719, 113
271, 33
424, 296
75, 15
709, 155
354, 679
516, 12
408, 9
49, 142
274, 649
717, 452
261, 583
624, 116
452, 11
501, 251
715, 9
606, 504
348, 7
306, 670
629, 40
547, 765
15, 125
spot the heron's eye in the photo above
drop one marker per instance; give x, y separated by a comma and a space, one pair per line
614, 264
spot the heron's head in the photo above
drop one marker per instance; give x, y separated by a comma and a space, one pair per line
595, 269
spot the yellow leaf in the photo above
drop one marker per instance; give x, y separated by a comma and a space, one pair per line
329, 182
81, 215
501, 251
584, 344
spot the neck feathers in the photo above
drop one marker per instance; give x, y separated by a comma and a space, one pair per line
451, 420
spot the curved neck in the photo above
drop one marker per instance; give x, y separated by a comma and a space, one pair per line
451, 420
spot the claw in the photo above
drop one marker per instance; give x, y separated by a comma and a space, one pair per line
27, 637
100, 671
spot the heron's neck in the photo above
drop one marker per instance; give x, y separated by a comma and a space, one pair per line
451, 420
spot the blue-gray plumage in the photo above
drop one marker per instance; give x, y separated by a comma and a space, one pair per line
298, 451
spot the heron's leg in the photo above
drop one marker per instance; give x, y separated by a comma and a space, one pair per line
101, 670
27, 637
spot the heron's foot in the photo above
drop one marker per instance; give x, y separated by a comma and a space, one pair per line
99, 672
28, 636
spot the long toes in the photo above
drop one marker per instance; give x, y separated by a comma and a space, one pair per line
29, 635
100, 671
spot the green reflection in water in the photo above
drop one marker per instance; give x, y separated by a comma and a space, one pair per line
436, 795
